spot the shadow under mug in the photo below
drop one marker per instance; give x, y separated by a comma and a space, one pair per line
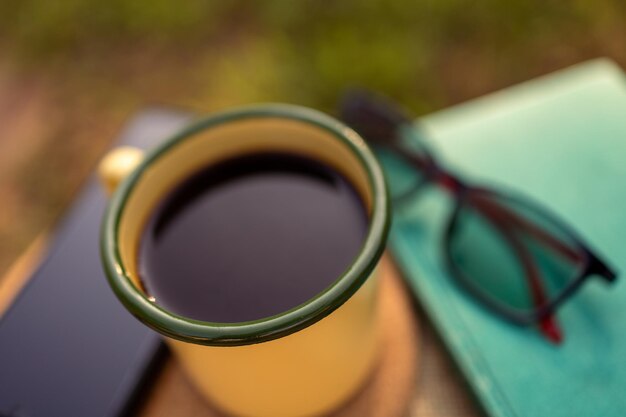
302, 362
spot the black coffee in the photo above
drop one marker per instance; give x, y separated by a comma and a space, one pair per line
251, 237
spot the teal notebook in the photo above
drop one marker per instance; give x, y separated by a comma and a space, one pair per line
561, 140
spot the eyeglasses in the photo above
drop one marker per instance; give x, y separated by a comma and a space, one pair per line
516, 258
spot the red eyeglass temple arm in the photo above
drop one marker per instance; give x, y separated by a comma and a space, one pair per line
500, 217
548, 325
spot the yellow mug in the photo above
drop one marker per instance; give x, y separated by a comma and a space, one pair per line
302, 362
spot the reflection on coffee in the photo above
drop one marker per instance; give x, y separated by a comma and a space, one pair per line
251, 237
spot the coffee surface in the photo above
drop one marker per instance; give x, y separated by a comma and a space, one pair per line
251, 237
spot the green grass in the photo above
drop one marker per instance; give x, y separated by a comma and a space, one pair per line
309, 51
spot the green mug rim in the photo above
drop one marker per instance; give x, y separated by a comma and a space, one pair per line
268, 328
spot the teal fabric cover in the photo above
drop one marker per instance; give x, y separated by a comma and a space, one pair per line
560, 139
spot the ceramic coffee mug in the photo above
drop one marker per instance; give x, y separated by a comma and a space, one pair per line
302, 362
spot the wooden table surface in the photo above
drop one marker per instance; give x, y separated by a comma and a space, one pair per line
414, 376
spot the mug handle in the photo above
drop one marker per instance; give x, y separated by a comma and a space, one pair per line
117, 164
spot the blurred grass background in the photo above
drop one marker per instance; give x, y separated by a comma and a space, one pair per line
72, 71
